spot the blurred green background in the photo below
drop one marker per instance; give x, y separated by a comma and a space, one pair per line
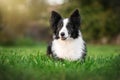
26, 22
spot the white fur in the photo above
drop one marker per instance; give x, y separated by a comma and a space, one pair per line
70, 49
64, 29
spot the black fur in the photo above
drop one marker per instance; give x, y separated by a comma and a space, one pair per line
49, 51
54, 20
85, 51
75, 18
74, 24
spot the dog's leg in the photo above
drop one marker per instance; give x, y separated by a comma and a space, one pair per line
49, 51
84, 53
57, 58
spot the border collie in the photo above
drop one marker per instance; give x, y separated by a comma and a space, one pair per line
67, 43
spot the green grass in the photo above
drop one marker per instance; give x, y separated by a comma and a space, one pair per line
31, 63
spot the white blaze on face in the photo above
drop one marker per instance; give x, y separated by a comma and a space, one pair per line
64, 28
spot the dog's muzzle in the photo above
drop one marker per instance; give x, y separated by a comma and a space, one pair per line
63, 36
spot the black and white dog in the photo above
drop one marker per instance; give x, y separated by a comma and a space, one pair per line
67, 43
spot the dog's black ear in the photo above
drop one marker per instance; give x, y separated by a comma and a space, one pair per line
75, 13
75, 17
54, 19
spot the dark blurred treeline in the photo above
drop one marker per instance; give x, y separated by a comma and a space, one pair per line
29, 19
100, 19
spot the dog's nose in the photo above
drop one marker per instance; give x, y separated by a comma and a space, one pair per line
62, 34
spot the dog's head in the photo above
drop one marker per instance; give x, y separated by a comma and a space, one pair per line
65, 28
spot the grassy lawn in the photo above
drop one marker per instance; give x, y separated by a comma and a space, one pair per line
31, 63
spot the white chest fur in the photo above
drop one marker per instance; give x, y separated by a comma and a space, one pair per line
69, 49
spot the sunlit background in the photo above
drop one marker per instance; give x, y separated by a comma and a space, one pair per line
27, 21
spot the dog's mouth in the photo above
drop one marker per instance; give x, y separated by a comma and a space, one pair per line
63, 38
